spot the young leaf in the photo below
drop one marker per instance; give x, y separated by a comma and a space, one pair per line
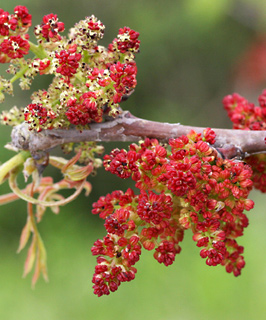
25, 234
30, 256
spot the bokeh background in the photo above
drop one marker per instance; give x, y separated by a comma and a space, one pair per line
193, 53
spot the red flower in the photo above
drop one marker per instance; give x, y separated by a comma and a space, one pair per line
50, 28
105, 205
68, 63
35, 114
117, 223
209, 135
165, 253
4, 27
15, 47
44, 64
127, 40
121, 163
154, 208
21, 18
124, 77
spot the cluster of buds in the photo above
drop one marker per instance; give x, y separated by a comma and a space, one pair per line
183, 186
247, 116
89, 80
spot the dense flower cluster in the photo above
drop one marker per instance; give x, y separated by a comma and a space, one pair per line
49, 29
127, 40
68, 61
89, 80
187, 186
244, 114
13, 38
124, 77
247, 116
14, 47
36, 115
16, 23
85, 110
87, 33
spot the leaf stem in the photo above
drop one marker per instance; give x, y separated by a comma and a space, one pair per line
30, 199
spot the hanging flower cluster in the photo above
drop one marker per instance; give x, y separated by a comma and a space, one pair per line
89, 80
187, 186
247, 116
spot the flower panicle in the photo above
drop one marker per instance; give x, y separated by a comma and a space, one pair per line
184, 185
89, 80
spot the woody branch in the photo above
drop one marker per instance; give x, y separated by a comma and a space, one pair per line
126, 127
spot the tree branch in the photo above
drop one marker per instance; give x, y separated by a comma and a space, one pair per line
126, 127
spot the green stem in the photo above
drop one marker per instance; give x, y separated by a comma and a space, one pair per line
80, 78
13, 164
38, 50
86, 56
19, 74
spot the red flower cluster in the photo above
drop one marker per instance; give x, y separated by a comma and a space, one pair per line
38, 115
41, 65
247, 116
50, 28
68, 61
100, 76
84, 110
188, 186
35, 111
13, 40
14, 24
96, 26
244, 114
14, 47
124, 77
114, 82
88, 32
89, 81
126, 41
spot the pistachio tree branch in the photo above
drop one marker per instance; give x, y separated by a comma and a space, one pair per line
126, 127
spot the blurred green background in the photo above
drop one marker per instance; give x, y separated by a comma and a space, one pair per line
191, 53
